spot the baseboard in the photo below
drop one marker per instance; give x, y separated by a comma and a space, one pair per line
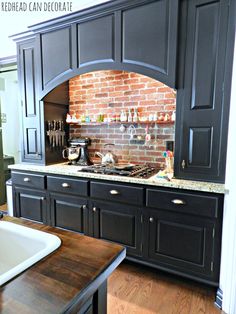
219, 298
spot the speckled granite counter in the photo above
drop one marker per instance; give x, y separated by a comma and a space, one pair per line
64, 169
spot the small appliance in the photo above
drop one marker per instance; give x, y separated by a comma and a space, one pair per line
78, 153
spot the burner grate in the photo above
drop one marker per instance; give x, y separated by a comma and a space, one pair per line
137, 171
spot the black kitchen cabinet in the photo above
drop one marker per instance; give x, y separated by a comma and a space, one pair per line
69, 212
30, 204
175, 230
185, 44
201, 128
119, 223
183, 232
181, 243
32, 136
138, 36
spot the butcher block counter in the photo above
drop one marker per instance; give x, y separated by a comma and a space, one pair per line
70, 280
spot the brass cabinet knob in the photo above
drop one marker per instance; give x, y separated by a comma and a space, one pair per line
84, 206
26, 179
151, 219
65, 185
94, 209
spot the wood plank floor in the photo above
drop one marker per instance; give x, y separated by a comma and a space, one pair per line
3, 207
136, 289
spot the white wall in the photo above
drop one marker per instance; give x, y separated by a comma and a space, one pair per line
228, 259
11, 107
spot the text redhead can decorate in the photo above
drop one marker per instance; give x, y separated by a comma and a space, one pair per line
35, 6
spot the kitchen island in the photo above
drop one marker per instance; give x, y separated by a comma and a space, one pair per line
73, 279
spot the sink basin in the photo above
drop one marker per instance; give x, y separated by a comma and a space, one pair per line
21, 247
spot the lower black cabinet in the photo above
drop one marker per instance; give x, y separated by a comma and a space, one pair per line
69, 212
177, 231
119, 223
183, 243
31, 204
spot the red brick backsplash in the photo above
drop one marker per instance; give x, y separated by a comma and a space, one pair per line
107, 93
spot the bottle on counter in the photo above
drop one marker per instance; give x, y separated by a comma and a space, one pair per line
87, 118
173, 116
135, 116
130, 118
123, 116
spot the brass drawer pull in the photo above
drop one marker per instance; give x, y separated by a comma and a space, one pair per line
65, 185
151, 219
177, 201
26, 179
94, 209
114, 192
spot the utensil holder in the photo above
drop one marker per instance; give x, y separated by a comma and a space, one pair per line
169, 163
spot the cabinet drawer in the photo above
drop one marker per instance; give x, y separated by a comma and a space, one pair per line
196, 204
29, 180
117, 193
67, 185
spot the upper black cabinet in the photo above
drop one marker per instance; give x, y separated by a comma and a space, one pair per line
138, 36
201, 142
32, 147
56, 55
149, 38
96, 41
185, 44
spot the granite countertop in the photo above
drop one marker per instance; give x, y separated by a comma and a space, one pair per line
64, 169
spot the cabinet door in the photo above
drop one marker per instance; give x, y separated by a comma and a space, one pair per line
182, 243
30, 204
32, 150
149, 39
69, 212
119, 223
201, 142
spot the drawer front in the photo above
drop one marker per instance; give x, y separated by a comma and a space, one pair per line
29, 180
117, 193
67, 185
196, 204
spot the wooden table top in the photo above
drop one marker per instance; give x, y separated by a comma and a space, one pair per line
66, 276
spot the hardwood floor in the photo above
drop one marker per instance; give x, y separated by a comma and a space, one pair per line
3, 207
136, 289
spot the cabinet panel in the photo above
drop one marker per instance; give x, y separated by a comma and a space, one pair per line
28, 179
118, 193
200, 137
96, 41
32, 149
29, 79
118, 223
187, 202
204, 55
31, 204
200, 147
150, 36
56, 54
69, 212
67, 185
183, 243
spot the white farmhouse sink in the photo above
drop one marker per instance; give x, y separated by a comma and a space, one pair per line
21, 247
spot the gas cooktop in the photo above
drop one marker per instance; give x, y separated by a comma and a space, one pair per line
135, 171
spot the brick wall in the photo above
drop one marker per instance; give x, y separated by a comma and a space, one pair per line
108, 92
